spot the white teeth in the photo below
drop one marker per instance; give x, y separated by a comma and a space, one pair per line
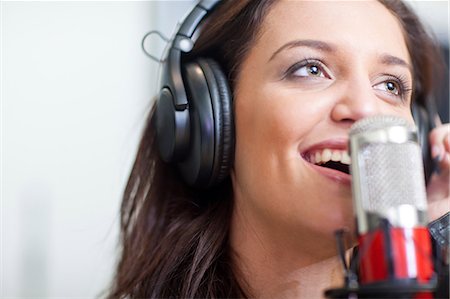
346, 159
318, 157
325, 155
336, 156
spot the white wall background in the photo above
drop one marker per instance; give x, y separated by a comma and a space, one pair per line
75, 87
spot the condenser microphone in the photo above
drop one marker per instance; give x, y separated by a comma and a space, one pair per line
394, 258
390, 204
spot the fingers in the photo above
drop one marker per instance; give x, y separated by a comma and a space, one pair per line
447, 143
440, 145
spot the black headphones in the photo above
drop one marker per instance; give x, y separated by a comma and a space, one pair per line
194, 115
194, 120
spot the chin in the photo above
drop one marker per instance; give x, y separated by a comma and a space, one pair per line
335, 221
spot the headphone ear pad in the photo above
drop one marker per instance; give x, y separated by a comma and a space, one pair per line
212, 132
222, 102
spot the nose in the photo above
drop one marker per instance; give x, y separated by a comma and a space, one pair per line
355, 101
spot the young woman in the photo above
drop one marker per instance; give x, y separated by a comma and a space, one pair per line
301, 73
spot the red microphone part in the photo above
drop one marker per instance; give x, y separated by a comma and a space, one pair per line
396, 256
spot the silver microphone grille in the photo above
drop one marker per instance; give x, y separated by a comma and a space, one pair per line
387, 172
377, 122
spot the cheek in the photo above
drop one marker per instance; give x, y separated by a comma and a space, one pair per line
402, 111
276, 115
266, 131
271, 123
409, 116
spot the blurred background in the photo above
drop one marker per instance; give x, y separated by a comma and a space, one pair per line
75, 90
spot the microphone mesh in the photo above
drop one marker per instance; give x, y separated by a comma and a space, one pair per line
377, 122
391, 173
392, 176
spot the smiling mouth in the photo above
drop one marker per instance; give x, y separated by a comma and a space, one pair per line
338, 160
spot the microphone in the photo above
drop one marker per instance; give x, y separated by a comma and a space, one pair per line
394, 255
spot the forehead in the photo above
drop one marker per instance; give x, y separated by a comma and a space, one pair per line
352, 25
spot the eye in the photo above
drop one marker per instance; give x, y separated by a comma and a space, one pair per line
390, 87
398, 87
308, 69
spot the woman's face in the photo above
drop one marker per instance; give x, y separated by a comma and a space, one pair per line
317, 67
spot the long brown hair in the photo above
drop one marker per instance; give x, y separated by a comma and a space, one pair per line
175, 239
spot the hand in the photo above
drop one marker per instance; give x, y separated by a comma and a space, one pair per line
439, 185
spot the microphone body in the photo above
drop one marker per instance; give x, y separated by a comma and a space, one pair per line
390, 206
394, 254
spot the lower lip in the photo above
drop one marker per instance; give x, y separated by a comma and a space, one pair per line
334, 175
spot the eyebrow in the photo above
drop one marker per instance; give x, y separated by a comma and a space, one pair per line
310, 43
393, 60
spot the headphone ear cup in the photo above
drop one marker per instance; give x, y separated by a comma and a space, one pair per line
212, 136
172, 128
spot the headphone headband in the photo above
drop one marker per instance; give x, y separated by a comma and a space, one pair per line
183, 42
194, 18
